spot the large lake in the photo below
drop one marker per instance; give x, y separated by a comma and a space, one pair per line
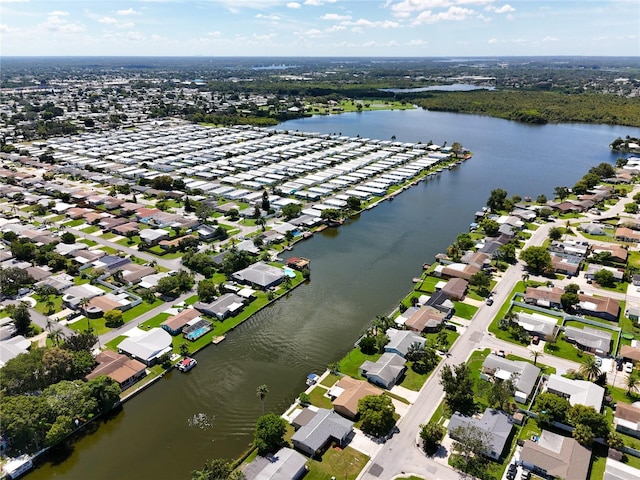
358, 272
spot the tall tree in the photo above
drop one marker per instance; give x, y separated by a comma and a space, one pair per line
458, 388
589, 368
21, 318
269, 434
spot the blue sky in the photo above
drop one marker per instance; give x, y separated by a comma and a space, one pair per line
396, 28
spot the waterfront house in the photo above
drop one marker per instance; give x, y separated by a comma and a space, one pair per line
456, 270
576, 391
554, 456
285, 464
627, 419
386, 371
400, 341
423, 319
438, 300
122, 369
524, 375
260, 275
225, 306
147, 347
346, 394
496, 424
177, 322
324, 427
456, 289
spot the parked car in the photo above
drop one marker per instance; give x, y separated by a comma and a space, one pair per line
501, 353
535, 340
489, 301
598, 361
628, 367
450, 326
619, 364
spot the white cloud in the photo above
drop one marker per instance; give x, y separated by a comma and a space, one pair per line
549, 39
314, 3
4, 28
506, 8
416, 43
293, 5
335, 17
493, 40
362, 22
58, 13
313, 33
108, 20
406, 6
215, 34
127, 12
56, 22
336, 28
262, 16
452, 14
135, 36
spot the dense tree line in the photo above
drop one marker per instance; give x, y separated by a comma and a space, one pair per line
537, 107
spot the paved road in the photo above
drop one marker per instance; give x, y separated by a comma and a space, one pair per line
401, 454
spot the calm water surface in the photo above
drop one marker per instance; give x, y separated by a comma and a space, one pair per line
358, 272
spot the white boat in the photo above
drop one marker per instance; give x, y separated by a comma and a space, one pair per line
187, 364
312, 378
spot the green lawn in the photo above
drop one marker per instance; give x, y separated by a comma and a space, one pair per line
91, 229
338, 463
144, 307
350, 365
318, 399
330, 380
464, 310
97, 324
562, 348
413, 380
113, 344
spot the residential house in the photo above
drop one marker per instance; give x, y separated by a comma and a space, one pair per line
285, 464
590, 273
456, 270
423, 319
542, 326
544, 296
148, 347
572, 249
225, 306
524, 375
555, 456
593, 229
495, 423
456, 289
618, 253
438, 300
177, 322
386, 371
603, 307
260, 275
625, 234
480, 260
565, 264
590, 340
12, 347
74, 295
102, 304
400, 341
576, 391
111, 263
631, 352
324, 427
346, 394
615, 470
125, 228
627, 419
122, 369
153, 236
60, 281
134, 273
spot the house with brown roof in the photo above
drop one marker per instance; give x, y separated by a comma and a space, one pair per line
456, 288
110, 222
456, 270
128, 208
100, 305
173, 243
630, 353
94, 217
627, 419
477, 259
346, 394
602, 307
75, 213
176, 323
124, 370
618, 252
556, 456
627, 235
126, 228
544, 296
133, 273
565, 264
425, 319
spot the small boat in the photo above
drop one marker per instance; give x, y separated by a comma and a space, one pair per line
312, 379
187, 364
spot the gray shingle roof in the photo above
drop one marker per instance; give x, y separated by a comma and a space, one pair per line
324, 425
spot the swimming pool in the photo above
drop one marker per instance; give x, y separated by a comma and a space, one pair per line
289, 272
196, 334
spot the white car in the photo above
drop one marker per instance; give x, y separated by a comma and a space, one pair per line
628, 367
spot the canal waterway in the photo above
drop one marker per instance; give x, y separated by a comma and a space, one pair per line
359, 271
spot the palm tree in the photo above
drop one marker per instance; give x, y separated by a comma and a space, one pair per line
261, 393
589, 369
84, 301
50, 307
55, 336
535, 355
632, 383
